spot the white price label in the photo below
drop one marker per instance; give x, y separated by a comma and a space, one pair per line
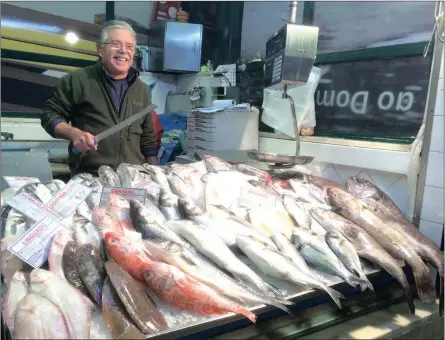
69, 198
128, 193
18, 182
33, 246
30, 207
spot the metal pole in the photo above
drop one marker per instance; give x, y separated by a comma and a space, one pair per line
293, 12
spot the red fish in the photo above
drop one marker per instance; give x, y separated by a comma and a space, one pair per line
127, 253
106, 222
185, 293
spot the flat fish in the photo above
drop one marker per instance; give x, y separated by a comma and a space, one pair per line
76, 312
115, 315
91, 270
136, 301
39, 318
17, 290
60, 240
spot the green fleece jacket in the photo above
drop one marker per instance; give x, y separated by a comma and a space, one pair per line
83, 99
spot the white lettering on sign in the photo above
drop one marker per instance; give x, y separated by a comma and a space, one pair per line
33, 246
18, 182
388, 97
343, 98
138, 194
69, 198
358, 102
405, 101
359, 107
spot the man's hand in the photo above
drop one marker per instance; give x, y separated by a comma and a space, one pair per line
82, 141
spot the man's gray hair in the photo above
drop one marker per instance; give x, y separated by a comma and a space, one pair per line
112, 24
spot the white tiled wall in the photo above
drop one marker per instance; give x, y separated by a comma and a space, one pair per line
431, 218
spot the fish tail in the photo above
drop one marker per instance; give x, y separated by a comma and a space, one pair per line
246, 313
424, 284
336, 296
284, 302
367, 283
280, 306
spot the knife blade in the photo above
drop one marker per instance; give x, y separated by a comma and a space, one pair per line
108, 132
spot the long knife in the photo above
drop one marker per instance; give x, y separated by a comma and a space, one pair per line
108, 132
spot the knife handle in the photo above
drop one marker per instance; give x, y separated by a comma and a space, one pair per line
76, 151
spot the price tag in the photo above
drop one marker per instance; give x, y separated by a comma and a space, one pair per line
33, 246
30, 207
18, 182
128, 193
69, 198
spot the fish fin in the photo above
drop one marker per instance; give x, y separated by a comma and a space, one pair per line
280, 306
284, 302
368, 284
424, 285
336, 296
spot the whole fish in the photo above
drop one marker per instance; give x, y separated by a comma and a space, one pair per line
130, 175
192, 265
108, 177
159, 176
186, 178
185, 293
377, 201
119, 208
76, 312
85, 232
141, 309
90, 267
215, 249
17, 290
309, 194
39, 318
216, 164
69, 266
93, 200
129, 255
227, 221
275, 264
60, 240
106, 222
168, 204
116, 316
389, 238
9, 263
288, 250
335, 267
150, 225
264, 176
153, 190
298, 211
346, 253
194, 213
365, 246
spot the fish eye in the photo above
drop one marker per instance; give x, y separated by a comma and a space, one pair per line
147, 275
113, 240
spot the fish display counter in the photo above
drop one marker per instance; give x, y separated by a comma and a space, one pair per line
204, 250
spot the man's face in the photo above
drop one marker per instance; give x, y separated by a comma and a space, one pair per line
117, 52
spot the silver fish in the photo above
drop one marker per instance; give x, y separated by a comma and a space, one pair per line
216, 164
153, 190
159, 176
15, 224
298, 212
215, 249
191, 264
275, 264
130, 175
17, 290
346, 253
108, 176
304, 193
168, 204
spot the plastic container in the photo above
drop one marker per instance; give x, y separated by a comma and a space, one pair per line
277, 111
